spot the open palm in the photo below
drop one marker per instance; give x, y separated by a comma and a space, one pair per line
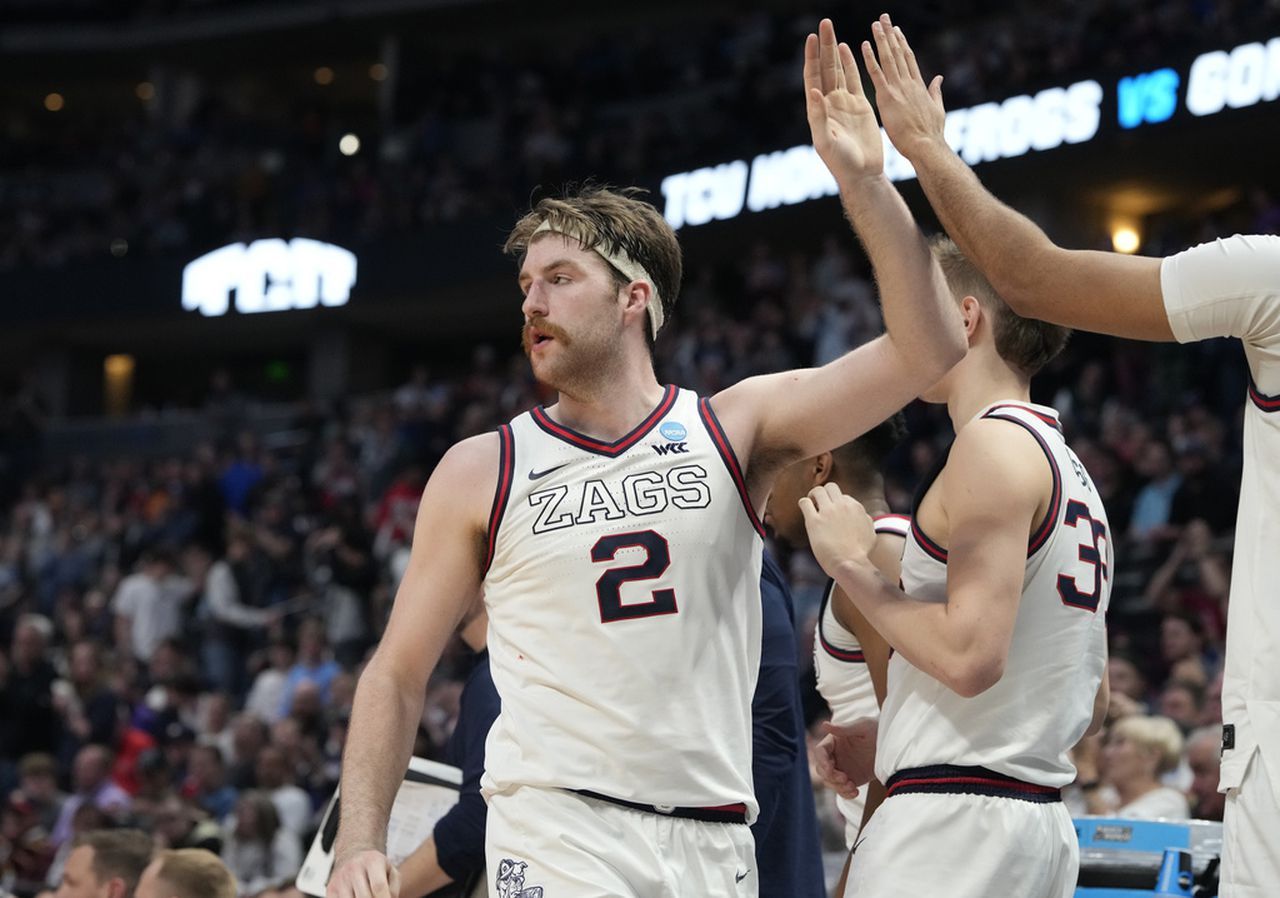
841, 120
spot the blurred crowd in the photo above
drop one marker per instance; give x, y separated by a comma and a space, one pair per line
180, 636
474, 125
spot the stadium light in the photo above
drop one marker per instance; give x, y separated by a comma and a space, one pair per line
146, 91
54, 102
349, 144
324, 76
378, 72
1125, 239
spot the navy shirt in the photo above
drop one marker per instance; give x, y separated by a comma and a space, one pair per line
788, 853
459, 834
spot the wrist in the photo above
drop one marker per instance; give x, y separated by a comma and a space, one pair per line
854, 182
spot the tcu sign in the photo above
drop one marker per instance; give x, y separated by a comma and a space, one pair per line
269, 276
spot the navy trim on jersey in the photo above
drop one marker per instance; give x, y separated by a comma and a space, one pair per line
1261, 399
932, 549
712, 423
849, 656
600, 447
1041, 536
501, 493
948, 779
726, 813
1047, 419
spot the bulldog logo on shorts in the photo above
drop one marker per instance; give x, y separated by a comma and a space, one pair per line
510, 880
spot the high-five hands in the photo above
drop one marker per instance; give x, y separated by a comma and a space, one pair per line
841, 120
911, 111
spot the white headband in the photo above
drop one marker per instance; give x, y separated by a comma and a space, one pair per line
630, 268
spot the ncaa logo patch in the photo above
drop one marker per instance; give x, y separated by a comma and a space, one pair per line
673, 431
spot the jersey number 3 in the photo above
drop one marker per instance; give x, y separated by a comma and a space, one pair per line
609, 586
1090, 532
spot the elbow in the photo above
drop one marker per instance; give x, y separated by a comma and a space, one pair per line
974, 676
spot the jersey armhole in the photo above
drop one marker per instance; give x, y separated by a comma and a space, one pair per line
1042, 533
730, 460
502, 492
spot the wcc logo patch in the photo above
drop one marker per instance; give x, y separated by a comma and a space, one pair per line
510, 881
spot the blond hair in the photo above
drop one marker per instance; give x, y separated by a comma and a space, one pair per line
1159, 733
1025, 343
194, 873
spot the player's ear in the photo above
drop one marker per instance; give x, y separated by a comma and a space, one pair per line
637, 298
822, 465
971, 313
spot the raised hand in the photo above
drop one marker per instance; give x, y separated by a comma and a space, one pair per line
910, 110
841, 120
839, 528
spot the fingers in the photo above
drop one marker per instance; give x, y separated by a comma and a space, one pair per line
832, 73
873, 66
884, 47
852, 79
815, 108
808, 510
935, 90
812, 77
393, 879
908, 55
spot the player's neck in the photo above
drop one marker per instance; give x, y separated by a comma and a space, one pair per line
871, 495
609, 409
981, 385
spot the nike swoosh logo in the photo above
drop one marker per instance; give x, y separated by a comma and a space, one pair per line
739, 877
536, 475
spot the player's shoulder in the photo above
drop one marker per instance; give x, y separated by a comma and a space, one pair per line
1000, 452
468, 472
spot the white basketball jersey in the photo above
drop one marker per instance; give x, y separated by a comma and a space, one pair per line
623, 591
1231, 288
843, 679
1025, 724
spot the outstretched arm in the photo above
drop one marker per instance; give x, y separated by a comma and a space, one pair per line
776, 419
1095, 291
995, 485
439, 585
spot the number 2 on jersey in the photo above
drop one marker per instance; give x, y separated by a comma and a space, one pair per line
1090, 532
609, 586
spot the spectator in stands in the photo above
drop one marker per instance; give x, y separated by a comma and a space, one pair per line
267, 694
1182, 647
38, 788
26, 692
230, 625
249, 736
207, 784
186, 873
262, 854
313, 664
89, 707
1182, 701
1204, 754
105, 864
1137, 752
148, 605
1154, 502
275, 777
91, 779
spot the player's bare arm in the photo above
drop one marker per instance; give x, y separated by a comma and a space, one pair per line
846, 752
994, 488
777, 419
1095, 291
442, 580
